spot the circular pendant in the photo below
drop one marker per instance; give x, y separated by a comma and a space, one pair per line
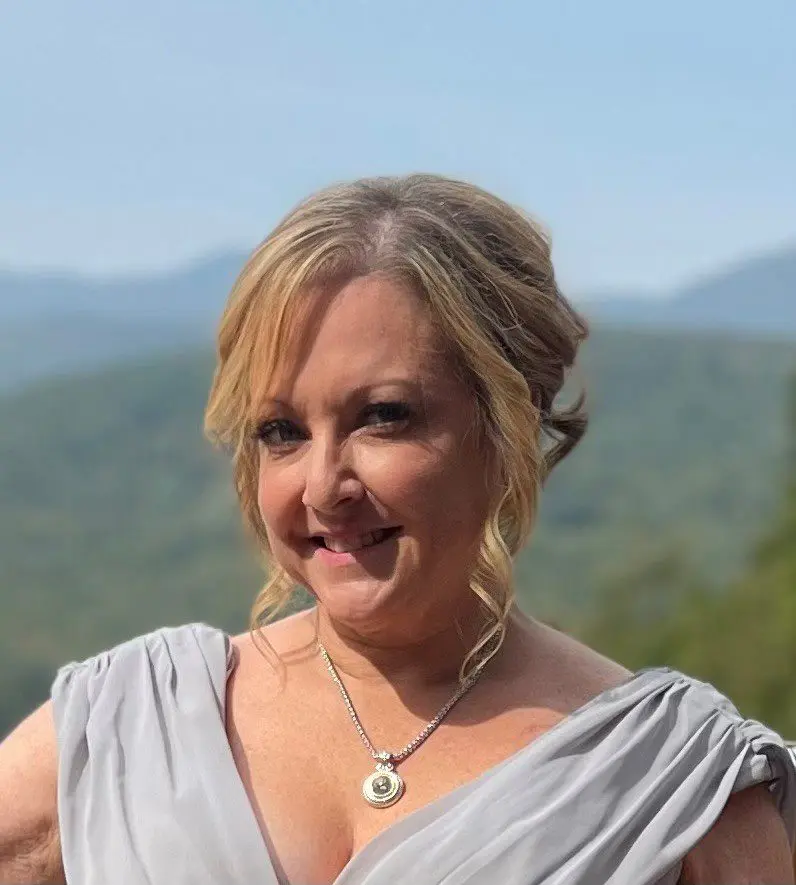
382, 788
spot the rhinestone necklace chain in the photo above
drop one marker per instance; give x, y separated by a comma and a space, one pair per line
427, 730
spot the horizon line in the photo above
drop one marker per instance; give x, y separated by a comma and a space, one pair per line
221, 254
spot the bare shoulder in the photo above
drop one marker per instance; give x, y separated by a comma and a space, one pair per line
30, 848
257, 659
747, 844
573, 672
288, 637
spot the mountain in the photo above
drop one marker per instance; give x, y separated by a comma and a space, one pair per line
754, 297
116, 516
64, 343
56, 323
191, 295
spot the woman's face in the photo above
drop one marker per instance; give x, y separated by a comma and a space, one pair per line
372, 482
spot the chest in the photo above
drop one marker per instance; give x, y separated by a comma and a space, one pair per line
303, 776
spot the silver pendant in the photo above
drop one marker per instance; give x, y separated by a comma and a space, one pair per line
384, 786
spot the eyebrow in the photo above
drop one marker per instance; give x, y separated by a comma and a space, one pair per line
362, 390
421, 393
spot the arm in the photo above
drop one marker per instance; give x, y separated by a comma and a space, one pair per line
748, 845
30, 847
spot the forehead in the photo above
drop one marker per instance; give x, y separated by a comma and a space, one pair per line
368, 331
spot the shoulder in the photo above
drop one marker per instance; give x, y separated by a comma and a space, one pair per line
183, 640
258, 660
725, 784
572, 673
181, 667
140, 731
95, 710
198, 636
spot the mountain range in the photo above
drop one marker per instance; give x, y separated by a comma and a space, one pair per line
754, 297
53, 323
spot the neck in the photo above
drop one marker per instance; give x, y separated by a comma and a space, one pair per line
418, 657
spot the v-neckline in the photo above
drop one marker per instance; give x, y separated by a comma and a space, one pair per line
451, 797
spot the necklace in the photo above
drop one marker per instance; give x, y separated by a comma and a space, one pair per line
385, 786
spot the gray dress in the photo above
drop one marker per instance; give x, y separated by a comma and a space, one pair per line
618, 792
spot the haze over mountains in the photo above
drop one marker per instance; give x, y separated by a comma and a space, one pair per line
757, 296
53, 323
59, 323
191, 295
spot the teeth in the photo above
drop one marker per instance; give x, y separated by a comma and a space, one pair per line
348, 546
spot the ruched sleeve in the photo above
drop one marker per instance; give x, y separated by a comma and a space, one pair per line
707, 752
144, 786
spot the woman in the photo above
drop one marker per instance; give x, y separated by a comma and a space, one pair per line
388, 365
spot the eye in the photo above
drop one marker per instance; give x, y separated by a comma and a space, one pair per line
278, 432
387, 413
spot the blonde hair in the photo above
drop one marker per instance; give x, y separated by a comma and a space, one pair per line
484, 271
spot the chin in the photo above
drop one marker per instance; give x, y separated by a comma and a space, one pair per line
358, 599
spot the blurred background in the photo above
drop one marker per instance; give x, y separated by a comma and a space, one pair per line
145, 148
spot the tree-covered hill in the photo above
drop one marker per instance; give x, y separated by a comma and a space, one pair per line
742, 640
116, 516
66, 342
684, 452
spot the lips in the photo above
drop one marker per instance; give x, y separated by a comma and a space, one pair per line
351, 543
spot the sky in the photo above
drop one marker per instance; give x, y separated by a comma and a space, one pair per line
656, 142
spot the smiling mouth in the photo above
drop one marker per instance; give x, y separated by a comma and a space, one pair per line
356, 542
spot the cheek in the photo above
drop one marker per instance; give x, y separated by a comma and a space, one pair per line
462, 494
443, 487
401, 476
275, 494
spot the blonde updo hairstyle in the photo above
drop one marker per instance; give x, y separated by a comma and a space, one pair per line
484, 271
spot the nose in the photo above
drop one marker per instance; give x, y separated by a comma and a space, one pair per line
330, 482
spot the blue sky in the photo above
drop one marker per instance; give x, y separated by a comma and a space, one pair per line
656, 141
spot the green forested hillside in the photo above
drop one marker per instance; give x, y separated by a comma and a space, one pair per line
742, 640
62, 343
684, 453
116, 517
